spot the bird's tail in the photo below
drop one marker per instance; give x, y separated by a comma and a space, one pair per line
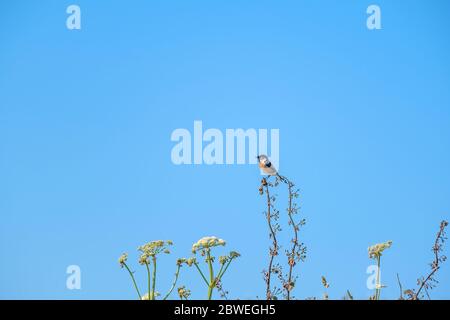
282, 178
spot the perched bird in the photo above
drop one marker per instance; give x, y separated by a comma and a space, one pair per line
266, 166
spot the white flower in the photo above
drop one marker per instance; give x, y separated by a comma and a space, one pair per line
207, 242
377, 249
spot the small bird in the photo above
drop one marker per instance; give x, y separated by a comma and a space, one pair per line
267, 167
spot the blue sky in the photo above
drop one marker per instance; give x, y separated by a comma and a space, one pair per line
86, 117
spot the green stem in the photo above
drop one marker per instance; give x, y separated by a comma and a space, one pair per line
378, 289
154, 278
211, 274
218, 273
134, 281
174, 282
225, 270
201, 273
148, 276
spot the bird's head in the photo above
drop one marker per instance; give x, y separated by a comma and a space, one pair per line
262, 158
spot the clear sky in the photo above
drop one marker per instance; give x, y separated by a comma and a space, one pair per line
86, 118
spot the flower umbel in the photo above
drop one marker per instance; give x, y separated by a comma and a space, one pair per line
191, 261
153, 248
184, 293
148, 258
123, 259
377, 249
207, 242
223, 259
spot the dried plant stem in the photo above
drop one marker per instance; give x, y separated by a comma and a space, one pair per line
134, 280
274, 249
220, 289
435, 265
426, 280
294, 240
